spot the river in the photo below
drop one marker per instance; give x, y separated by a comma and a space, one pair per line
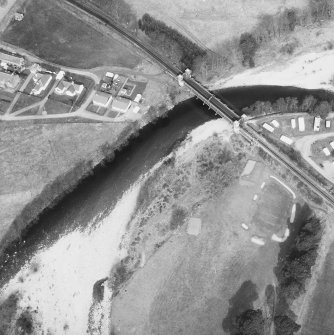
97, 195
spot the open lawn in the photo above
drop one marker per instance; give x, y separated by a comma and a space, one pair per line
56, 107
320, 316
25, 100
54, 34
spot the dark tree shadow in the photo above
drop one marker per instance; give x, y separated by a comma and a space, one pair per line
240, 302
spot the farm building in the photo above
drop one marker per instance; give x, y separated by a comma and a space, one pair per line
42, 81
268, 127
326, 151
7, 59
316, 124
275, 123
69, 88
301, 124
102, 99
121, 105
328, 123
286, 140
293, 123
9, 80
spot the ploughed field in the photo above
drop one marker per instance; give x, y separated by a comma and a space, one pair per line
53, 33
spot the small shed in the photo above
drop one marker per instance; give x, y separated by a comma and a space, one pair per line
326, 151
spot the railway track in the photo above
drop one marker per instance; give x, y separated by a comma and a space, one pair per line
206, 96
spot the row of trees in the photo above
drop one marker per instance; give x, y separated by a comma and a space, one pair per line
167, 39
295, 268
309, 104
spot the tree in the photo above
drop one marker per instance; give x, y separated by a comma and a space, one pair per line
308, 104
285, 326
322, 109
251, 322
248, 47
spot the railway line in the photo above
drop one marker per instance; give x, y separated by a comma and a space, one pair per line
208, 98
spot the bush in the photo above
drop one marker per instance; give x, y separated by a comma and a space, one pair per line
285, 326
178, 217
250, 322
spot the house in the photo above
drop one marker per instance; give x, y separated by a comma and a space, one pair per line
121, 105
102, 99
326, 151
293, 123
301, 124
328, 123
9, 80
268, 127
69, 88
316, 124
109, 75
286, 140
42, 81
332, 144
8, 59
275, 123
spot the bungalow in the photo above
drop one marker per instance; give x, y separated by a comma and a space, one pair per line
121, 105
9, 80
268, 127
102, 99
301, 124
13, 60
69, 88
42, 81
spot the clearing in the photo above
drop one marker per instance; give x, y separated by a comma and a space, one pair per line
185, 285
52, 33
211, 21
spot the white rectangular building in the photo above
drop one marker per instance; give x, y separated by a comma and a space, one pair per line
275, 123
293, 123
316, 124
332, 144
326, 151
268, 127
286, 140
328, 123
301, 124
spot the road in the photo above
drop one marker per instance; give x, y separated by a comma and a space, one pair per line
217, 105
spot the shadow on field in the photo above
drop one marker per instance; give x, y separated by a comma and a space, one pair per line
240, 302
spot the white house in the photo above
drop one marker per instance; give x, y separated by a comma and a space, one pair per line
316, 124
286, 140
328, 123
293, 123
332, 144
275, 123
268, 127
326, 151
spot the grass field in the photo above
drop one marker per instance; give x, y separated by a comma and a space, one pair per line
196, 285
320, 317
25, 100
211, 21
56, 35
